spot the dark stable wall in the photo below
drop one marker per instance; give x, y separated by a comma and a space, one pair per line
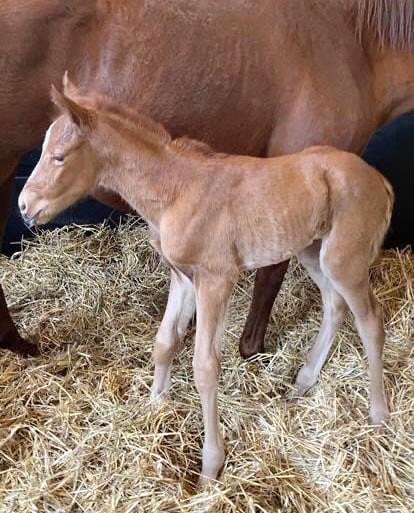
391, 151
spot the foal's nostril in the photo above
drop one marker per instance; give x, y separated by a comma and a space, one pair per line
22, 207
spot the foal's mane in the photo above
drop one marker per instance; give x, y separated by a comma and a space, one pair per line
390, 22
126, 118
142, 126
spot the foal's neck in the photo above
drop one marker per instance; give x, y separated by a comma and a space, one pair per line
146, 168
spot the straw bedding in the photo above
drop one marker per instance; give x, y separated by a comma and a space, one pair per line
77, 432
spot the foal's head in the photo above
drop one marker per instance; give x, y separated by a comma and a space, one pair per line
67, 170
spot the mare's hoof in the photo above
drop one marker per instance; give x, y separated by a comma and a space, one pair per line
20, 346
249, 347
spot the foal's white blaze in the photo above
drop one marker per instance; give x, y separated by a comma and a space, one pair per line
47, 136
44, 146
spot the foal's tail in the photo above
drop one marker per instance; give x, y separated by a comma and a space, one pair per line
383, 228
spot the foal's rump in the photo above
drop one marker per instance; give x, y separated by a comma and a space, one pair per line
361, 202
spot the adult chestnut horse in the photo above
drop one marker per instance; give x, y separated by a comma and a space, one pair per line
257, 78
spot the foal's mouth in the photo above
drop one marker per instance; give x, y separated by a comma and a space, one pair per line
31, 221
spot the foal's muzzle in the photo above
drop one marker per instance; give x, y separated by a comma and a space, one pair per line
29, 220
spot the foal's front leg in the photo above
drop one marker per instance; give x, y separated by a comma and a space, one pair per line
180, 308
212, 295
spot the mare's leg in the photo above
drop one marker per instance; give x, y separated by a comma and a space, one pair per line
349, 275
334, 309
212, 294
9, 336
180, 308
266, 287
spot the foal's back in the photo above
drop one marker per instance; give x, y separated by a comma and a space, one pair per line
276, 207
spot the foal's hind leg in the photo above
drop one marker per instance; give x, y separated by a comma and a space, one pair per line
180, 308
349, 276
334, 309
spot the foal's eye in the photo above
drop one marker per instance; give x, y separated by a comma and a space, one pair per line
58, 158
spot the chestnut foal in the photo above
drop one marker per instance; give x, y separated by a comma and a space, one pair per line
214, 215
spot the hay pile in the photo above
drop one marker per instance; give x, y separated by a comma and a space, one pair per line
77, 433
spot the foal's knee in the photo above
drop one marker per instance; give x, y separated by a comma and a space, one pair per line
206, 372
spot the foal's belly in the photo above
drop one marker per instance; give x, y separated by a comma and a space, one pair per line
278, 240
272, 252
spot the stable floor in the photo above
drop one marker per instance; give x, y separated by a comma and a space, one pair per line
77, 432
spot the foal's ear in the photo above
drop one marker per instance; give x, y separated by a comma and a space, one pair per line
83, 117
69, 88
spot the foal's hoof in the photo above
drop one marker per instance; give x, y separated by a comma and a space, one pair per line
205, 482
379, 415
304, 381
298, 391
157, 399
20, 346
294, 394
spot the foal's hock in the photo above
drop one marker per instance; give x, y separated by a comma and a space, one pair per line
214, 215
